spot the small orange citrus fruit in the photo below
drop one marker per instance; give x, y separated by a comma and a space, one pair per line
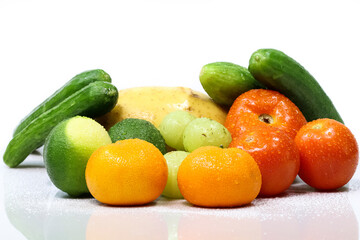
215, 177
128, 172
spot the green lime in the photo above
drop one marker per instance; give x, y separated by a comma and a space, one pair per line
137, 128
67, 150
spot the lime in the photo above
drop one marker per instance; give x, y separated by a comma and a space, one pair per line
67, 150
130, 128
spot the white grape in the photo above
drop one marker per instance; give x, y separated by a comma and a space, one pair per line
205, 132
174, 160
172, 127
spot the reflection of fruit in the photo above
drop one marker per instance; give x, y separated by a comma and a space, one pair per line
23, 208
329, 154
205, 132
215, 177
172, 127
126, 225
67, 150
199, 226
332, 220
137, 128
58, 226
154, 103
173, 160
275, 153
264, 107
128, 172
29, 223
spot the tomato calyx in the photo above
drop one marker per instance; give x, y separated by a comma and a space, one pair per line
266, 118
249, 139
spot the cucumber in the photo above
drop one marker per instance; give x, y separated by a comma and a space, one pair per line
72, 86
225, 81
281, 73
93, 100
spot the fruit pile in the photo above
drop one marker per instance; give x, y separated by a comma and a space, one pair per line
256, 130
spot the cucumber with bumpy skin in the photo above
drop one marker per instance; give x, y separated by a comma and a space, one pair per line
72, 86
93, 100
279, 72
225, 81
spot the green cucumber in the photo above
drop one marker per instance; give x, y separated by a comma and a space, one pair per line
281, 73
72, 86
225, 81
93, 100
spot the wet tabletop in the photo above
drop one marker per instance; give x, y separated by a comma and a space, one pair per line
35, 209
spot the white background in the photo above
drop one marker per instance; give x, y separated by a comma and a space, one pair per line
142, 43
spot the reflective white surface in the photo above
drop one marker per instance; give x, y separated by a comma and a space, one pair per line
37, 210
44, 43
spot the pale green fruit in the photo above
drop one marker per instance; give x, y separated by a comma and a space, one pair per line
67, 150
173, 160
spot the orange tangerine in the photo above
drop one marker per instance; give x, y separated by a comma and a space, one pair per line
128, 172
215, 177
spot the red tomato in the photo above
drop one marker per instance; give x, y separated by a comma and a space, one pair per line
329, 154
264, 107
276, 154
